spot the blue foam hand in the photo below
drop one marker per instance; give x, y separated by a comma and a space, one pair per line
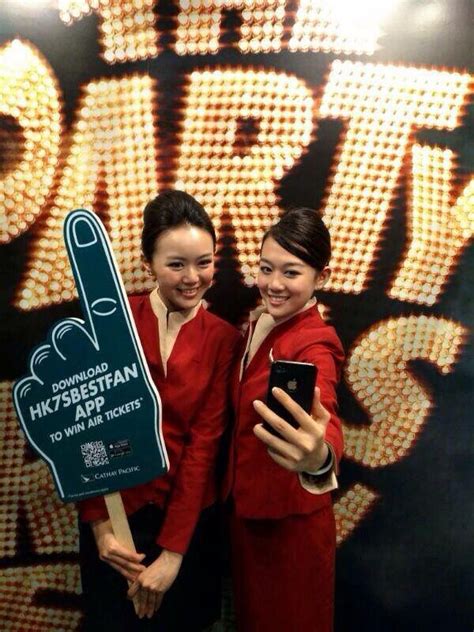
89, 406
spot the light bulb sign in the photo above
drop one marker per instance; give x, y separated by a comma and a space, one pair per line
88, 405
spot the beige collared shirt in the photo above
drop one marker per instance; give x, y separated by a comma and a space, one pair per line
169, 324
264, 323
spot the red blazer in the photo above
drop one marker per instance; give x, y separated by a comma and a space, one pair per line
260, 487
194, 395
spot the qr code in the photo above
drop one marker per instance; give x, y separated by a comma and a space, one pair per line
94, 454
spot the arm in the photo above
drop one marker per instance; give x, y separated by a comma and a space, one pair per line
189, 486
318, 440
124, 561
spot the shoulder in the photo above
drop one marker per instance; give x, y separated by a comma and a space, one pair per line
137, 300
322, 331
312, 331
140, 306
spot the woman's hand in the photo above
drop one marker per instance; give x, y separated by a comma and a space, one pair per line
150, 586
300, 449
126, 562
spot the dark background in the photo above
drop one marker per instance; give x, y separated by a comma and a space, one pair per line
409, 564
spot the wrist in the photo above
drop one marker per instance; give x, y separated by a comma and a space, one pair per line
325, 467
101, 528
172, 555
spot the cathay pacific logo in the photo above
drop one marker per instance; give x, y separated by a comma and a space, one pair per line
121, 471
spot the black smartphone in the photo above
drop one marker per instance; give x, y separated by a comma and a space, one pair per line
298, 379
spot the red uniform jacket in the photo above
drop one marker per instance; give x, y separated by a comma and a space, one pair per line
194, 395
260, 487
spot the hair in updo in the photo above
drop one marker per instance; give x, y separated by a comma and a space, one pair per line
302, 232
171, 209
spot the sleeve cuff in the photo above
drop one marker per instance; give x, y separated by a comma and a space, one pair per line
317, 487
322, 481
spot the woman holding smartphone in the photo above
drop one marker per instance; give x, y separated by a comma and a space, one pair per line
189, 351
282, 528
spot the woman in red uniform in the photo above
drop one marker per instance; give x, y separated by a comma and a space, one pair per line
282, 528
189, 352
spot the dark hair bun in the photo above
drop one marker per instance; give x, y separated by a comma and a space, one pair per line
302, 232
168, 210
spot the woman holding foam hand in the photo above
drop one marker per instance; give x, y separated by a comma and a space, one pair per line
189, 352
282, 526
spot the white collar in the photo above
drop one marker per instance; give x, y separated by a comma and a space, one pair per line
169, 324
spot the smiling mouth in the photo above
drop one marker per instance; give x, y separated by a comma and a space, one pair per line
191, 292
276, 300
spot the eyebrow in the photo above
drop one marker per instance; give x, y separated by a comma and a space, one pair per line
179, 258
295, 264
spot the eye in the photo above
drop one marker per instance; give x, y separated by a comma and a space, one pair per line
291, 274
175, 265
264, 269
205, 263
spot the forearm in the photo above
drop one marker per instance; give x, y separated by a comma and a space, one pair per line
100, 528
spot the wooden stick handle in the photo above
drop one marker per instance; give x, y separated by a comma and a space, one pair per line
120, 525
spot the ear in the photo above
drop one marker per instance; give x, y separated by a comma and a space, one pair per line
323, 278
147, 266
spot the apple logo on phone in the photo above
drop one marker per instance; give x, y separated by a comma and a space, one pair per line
292, 385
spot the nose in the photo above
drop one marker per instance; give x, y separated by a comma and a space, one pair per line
191, 275
275, 282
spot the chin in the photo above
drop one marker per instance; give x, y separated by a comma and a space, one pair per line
188, 303
276, 312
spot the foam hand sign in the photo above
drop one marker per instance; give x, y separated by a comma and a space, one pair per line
89, 406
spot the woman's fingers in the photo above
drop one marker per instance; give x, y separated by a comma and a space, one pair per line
296, 449
154, 602
318, 412
133, 589
148, 600
140, 598
131, 567
277, 445
142, 602
129, 562
298, 414
305, 421
129, 575
288, 465
286, 430
149, 603
117, 551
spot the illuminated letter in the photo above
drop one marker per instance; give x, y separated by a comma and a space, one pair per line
351, 508
199, 25
52, 524
112, 155
20, 593
383, 105
396, 402
243, 130
438, 229
127, 28
30, 127
339, 26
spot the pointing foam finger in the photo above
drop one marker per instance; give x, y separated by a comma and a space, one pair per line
100, 289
